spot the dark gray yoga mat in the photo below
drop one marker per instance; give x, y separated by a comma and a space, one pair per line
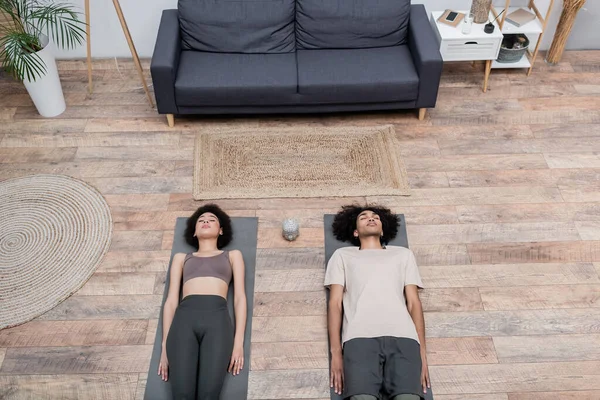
332, 244
245, 231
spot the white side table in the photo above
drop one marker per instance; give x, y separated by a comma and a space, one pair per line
474, 46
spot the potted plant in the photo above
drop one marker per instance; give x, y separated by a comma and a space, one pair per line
27, 47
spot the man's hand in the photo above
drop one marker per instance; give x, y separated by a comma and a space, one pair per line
425, 374
337, 372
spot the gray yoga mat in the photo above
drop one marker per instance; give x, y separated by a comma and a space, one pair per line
245, 231
332, 244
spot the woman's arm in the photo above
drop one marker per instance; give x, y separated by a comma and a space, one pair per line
239, 295
173, 295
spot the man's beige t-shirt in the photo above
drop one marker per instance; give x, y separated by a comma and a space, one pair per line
374, 281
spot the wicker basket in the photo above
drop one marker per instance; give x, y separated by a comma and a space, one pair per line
509, 55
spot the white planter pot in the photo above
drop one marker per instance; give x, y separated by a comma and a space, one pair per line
46, 91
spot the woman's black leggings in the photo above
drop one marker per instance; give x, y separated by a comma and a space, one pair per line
199, 346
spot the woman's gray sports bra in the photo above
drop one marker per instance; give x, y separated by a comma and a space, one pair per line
216, 266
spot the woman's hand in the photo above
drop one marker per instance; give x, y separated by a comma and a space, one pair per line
425, 374
237, 360
163, 366
336, 379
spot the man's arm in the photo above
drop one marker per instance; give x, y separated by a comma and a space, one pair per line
334, 326
415, 309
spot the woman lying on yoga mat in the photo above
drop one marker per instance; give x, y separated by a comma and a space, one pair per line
374, 291
199, 344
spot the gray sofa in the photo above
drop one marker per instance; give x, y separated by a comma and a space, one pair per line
294, 56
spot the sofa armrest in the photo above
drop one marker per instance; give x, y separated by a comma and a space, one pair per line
426, 56
165, 62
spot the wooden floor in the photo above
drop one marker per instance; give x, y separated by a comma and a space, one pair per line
504, 220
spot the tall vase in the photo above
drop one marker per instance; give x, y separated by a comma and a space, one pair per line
563, 30
481, 10
46, 91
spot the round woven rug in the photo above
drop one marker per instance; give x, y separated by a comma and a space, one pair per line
54, 231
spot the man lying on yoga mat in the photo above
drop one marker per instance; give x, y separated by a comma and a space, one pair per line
382, 348
199, 344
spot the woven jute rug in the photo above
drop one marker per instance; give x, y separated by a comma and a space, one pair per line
54, 231
301, 161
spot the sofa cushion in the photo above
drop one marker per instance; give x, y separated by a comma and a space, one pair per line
217, 79
344, 24
237, 26
359, 75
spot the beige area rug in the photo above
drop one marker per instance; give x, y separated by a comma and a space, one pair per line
54, 231
303, 161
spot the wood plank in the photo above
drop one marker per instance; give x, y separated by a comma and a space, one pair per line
565, 130
456, 351
96, 139
185, 202
573, 116
531, 177
581, 195
7, 113
105, 307
493, 253
289, 329
427, 179
75, 333
75, 111
539, 297
272, 238
2, 354
68, 387
137, 202
125, 283
441, 254
135, 261
557, 348
159, 123
588, 230
513, 323
136, 240
587, 89
292, 258
572, 160
475, 162
151, 331
570, 395
528, 377
137, 153
519, 146
91, 169
290, 280
282, 304
460, 132
308, 218
288, 384
470, 105
451, 299
472, 196
49, 125
140, 390
70, 360
504, 213
147, 185
417, 147
561, 103
428, 215
491, 396
289, 356
509, 92
492, 233
507, 275
36, 155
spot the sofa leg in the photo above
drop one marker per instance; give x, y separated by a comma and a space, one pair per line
171, 120
422, 112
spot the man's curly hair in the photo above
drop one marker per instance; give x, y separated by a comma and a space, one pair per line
224, 221
344, 223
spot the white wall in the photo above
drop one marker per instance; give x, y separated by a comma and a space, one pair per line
143, 17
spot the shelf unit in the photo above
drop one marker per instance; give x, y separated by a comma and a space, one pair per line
534, 30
